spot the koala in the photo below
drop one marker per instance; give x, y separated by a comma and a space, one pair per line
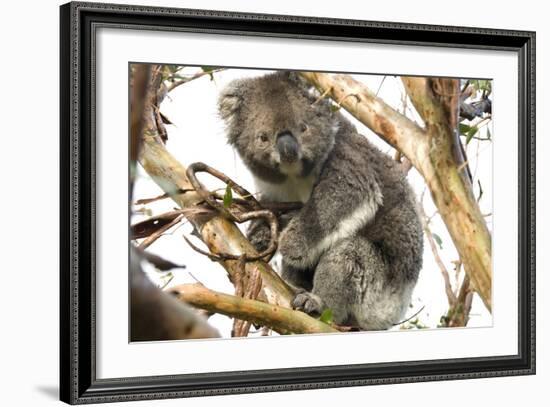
356, 244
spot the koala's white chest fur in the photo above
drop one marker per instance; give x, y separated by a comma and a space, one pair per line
294, 189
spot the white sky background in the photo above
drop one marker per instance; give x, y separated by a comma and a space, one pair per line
198, 135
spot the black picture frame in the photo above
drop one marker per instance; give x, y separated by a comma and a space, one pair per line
78, 382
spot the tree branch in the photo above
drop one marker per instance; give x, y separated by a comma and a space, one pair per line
149, 240
280, 319
451, 297
175, 83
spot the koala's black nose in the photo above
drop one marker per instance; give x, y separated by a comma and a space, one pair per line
288, 147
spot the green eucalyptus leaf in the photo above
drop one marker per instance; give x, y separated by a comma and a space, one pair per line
471, 133
209, 70
326, 316
464, 128
438, 240
228, 196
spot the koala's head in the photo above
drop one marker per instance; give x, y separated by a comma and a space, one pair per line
278, 125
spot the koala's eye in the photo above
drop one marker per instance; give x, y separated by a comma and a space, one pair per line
263, 137
303, 127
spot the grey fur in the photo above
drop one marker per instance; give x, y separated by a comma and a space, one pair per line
356, 245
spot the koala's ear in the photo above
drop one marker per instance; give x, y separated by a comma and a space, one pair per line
306, 89
230, 99
295, 78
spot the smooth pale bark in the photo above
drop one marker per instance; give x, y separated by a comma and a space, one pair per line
432, 150
280, 319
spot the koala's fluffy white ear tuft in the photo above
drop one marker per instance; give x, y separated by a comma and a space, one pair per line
230, 99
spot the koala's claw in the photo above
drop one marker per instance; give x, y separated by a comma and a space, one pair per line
308, 302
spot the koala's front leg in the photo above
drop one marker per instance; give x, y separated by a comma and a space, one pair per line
293, 246
334, 285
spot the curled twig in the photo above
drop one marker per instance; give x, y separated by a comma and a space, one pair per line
256, 211
208, 197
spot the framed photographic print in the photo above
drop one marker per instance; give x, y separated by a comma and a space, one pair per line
256, 203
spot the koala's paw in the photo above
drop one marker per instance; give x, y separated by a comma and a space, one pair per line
308, 302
